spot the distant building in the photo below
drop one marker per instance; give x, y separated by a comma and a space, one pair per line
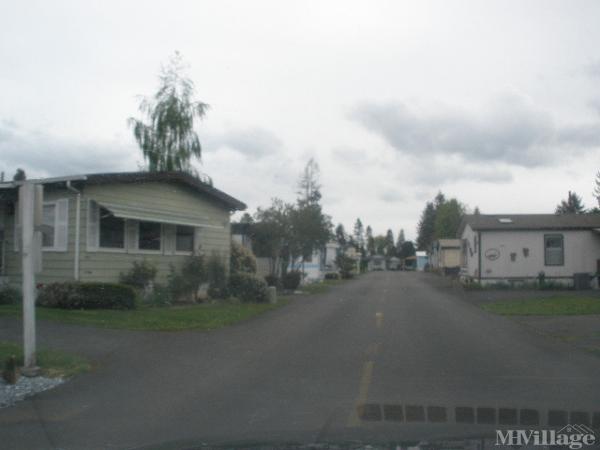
445, 256
422, 260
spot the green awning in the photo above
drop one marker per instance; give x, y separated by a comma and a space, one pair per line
157, 215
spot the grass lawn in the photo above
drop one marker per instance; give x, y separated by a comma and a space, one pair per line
52, 362
175, 318
556, 306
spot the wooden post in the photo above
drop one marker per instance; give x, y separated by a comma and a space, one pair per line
28, 248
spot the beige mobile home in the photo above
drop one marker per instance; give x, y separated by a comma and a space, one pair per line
96, 225
518, 247
445, 255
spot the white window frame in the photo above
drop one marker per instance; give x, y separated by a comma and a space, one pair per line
94, 247
183, 252
53, 248
137, 249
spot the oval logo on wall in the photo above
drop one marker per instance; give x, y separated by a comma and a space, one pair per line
492, 254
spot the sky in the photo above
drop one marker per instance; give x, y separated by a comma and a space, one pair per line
494, 103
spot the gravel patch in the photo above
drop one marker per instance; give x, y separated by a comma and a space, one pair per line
25, 387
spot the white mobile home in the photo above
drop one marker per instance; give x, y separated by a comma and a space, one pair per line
518, 247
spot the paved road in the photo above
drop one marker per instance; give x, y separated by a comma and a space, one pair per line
387, 356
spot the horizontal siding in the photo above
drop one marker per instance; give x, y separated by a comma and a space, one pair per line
57, 266
107, 266
164, 196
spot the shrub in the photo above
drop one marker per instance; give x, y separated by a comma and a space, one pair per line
272, 280
71, 295
186, 283
9, 295
242, 259
248, 288
346, 265
217, 277
291, 280
160, 295
141, 275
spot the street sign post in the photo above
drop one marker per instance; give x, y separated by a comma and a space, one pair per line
30, 213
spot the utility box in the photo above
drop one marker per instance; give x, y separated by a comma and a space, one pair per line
582, 281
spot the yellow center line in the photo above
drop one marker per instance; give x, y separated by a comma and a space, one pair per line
363, 392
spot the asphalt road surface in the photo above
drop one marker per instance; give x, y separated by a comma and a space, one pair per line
386, 357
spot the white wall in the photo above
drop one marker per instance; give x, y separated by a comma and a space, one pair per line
581, 250
470, 264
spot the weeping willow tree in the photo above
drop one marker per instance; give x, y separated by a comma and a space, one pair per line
166, 133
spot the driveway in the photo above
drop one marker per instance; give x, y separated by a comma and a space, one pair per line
385, 357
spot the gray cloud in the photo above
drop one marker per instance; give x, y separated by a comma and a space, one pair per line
349, 155
509, 130
593, 69
437, 174
391, 195
595, 104
254, 142
43, 154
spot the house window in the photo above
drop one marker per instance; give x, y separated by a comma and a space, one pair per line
184, 239
554, 250
48, 225
112, 230
149, 236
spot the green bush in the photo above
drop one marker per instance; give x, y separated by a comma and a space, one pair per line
9, 295
217, 277
72, 295
248, 288
140, 275
186, 283
272, 280
242, 259
291, 280
160, 295
346, 265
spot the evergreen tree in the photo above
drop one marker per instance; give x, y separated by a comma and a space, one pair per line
340, 235
597, 188
309, 187
426, 227
359, 237
447, 219
19, 175
572, 205
390, 248
370, 241
401, 239
407, 249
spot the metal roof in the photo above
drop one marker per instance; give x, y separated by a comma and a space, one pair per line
493, 222
141, 177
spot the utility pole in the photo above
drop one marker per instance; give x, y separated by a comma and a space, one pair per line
30, 212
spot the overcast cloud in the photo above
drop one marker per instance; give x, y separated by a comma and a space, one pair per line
509, 130
495, 102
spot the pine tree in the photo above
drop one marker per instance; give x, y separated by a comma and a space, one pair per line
359, 237
340, 235
572, 205
426, 227
370, 241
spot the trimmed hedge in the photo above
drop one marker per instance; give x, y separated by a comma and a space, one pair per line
9, 295
248, 288
71, 295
